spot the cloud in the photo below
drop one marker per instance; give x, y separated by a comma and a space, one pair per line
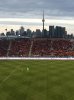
34, 8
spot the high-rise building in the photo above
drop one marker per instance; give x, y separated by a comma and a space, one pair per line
29, 32
51, 31
59, 32
12, 32
17, 32
21, 30
45, 33
38, 33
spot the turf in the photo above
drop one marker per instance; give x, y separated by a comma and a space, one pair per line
45, 80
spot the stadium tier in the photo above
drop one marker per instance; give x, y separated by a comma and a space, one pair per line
4, 44
37, 47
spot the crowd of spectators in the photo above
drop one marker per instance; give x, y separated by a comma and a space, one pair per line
40, 47
20, 47
3, 47
52, 48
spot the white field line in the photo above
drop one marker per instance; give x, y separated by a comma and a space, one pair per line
12, 73
7, 77
36, 58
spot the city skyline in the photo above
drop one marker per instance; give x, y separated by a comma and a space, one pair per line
53, 32
34, 24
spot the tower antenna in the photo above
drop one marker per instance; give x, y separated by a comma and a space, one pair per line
43, 20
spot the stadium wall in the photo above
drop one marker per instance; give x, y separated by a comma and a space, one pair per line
36, 58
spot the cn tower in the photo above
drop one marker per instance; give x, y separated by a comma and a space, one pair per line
43, 20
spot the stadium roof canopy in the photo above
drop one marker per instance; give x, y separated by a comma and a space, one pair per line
13, 37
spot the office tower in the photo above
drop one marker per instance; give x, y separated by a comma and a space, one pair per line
59, 32
29, 32
51, 31
21, 30
12, 32
38, 33
45, 33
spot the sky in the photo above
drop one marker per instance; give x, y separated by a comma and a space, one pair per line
28, 13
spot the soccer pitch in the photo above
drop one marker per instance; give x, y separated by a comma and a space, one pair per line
36, 80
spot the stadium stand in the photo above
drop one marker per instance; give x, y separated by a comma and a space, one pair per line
37, 47
20, 47
3, 47
51, 47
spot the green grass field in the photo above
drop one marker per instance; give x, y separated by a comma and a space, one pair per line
45, 80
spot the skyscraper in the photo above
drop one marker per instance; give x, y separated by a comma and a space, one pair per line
60, 32
21, 30
38, 33
51, 31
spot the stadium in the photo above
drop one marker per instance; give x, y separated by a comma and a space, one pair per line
36, 68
